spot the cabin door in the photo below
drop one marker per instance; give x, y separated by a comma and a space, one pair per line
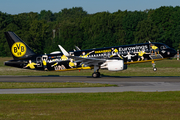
39, 61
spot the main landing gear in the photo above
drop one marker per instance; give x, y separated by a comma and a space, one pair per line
96, 73
154, 66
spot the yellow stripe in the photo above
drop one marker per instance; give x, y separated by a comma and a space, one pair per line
87, 68
144, 61
79, 68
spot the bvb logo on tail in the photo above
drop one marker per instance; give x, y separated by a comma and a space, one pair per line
18, 49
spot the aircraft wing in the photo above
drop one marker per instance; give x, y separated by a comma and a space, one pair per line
77, 48
87, 61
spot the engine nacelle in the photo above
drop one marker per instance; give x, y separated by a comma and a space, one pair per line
116, 65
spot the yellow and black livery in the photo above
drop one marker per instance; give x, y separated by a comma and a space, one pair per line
112, 58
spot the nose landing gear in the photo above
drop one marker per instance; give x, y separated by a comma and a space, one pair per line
154, 66
154, 69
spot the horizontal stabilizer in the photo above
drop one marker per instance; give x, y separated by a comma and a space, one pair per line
55, 52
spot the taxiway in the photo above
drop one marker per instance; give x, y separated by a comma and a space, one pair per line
126, 83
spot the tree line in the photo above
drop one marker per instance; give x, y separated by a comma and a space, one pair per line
45, 30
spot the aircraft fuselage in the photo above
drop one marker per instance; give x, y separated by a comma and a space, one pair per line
134, 53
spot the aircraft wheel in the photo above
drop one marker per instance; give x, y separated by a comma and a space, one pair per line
96, 75
154, 69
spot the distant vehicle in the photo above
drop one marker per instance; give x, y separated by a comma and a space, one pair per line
112, 58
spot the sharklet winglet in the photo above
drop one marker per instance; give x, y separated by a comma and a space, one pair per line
63, 50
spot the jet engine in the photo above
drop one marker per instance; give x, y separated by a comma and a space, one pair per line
114, 65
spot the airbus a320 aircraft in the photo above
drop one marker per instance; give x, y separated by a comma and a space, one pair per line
112, 58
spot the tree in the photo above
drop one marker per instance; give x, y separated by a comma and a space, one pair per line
75, 26
46, 15
146, 31
130, 21
37, 34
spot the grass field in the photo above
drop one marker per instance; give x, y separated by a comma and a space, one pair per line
91, 106
165, 68
13, 85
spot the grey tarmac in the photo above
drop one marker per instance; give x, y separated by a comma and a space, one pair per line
125, 83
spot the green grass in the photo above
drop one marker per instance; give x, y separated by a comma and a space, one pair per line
88, 106
12, 85
165, 68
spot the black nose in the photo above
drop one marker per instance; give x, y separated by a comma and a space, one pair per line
173, 52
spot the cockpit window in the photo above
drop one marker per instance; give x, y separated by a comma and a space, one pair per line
164, 47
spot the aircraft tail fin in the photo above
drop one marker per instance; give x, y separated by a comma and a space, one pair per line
19, 49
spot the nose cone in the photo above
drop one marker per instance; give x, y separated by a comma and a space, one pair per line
172, 52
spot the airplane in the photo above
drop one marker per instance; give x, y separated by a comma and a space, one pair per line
114, 58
